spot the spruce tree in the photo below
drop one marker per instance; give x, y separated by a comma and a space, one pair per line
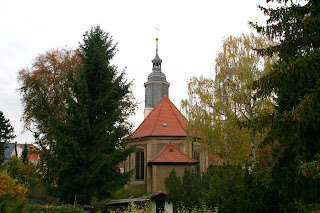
294, 83
83, 161
24, 155
6, 134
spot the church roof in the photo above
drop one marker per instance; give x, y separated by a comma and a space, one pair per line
164, 120
171, 154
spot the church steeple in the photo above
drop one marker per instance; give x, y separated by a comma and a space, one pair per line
156, 86
156, 61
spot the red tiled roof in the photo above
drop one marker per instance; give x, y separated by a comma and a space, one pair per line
33, 156
164, 120
171, 154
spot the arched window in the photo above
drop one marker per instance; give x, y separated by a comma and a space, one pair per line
140, 165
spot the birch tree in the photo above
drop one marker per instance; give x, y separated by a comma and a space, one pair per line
217, 106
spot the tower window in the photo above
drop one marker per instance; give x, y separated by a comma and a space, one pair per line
139, 165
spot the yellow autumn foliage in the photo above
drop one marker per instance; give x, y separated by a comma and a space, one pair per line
9, 186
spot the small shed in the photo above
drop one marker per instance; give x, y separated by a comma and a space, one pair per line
158, 201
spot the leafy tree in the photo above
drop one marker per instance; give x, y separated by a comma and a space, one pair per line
6, 134
9, 186
24, 155
79, 123
43, 87
26, 175
294, 82
216, 106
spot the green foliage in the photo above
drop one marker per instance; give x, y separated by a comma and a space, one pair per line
294, 82
24, 155
228, 188
10, 186
6, 130
202, 209
216, 107
136, 208
8, 205
27, 175
122, 194
174, 187
56, 209
185, 191
80, 121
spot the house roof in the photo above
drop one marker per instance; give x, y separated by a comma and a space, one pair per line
164, 120
33, 156
8, 150
171, 154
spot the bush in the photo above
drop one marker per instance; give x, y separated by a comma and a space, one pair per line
10, 187
56, 209
27, 176
9, 205
184, 191
228, 188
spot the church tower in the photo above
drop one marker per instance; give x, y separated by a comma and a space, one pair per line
156, 86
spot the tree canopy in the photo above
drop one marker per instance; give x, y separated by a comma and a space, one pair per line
6, 130
217, 106
294, 131
79, 123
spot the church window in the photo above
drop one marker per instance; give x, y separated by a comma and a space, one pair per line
140, 165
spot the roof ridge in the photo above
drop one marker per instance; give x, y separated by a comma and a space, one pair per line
157, 116
175, 113
182, 152
144, 120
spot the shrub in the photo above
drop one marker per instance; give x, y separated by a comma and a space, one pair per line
227, 187
10, 187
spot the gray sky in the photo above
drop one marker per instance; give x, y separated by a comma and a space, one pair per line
190, 36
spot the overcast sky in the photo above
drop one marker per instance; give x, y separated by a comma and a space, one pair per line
190, 36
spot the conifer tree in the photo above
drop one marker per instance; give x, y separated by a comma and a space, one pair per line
294, 82
88, 143
6, 134
24, 155
78, 107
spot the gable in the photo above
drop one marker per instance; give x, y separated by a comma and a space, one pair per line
171, 154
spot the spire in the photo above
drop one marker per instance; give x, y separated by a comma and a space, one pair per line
157, 61
157, 39
156, 86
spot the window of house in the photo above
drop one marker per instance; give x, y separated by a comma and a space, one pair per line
140, 165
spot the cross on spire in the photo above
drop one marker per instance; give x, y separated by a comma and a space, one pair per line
157, 30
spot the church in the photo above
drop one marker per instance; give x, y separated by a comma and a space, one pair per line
161, 140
